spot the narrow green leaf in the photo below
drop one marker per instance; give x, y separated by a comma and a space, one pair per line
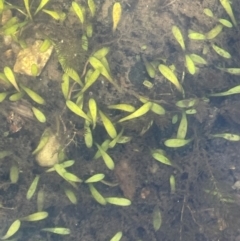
79, 11
43, 140
172, 184
40, 200
232, 91
57, 230
32, 187
227, 136
178, 36
45, 45
161, 158
71, 195
97, 196
12, 229
75, 109
221, 51
157, 218
90, 80
41, 5
3, 96
176, 142
117, 236
64, 164
55, 15
190, 65
107, 159
33, 95
95, 178
39, 115
4, 154
17, 96
108, 125
182, 129
35, 217
14, 173
11, 78
71, 177
92, 7
27, 6
118, 201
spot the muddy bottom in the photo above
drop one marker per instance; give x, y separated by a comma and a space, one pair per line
191, 192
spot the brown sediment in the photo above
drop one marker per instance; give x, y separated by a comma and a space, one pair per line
126, 177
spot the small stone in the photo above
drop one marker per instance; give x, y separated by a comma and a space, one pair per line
32, 55
48, 156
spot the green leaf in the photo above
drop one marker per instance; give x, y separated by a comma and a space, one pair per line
139, 112
71, 195
64, 164
55, 15
14, 173
169, 75
117, 236
27, 6
79, 11
187, 103
41, 5
172, 184
107, 159
182, 129
88, 138
176, 142
57, 230
34, 70
197, 59
95, 178
33, 95
71, 177
235, 71
3, 96
226, 5
221, 51
213, 33
227, 136
208, 12
33, 187
225, 22
196, 36
157, 218
4, 154
92, 7
119, 201
11, 78
161, 158
43, 140
99, 54
108, 125
97, 196
190, 65
12, 229
232, 91
75, 109
35, 217
47, 43
178, 36
90, 81
39, 115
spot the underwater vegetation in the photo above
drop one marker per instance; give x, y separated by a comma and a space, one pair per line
167, 124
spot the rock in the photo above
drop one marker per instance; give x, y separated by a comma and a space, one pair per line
49, 155
29, 56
